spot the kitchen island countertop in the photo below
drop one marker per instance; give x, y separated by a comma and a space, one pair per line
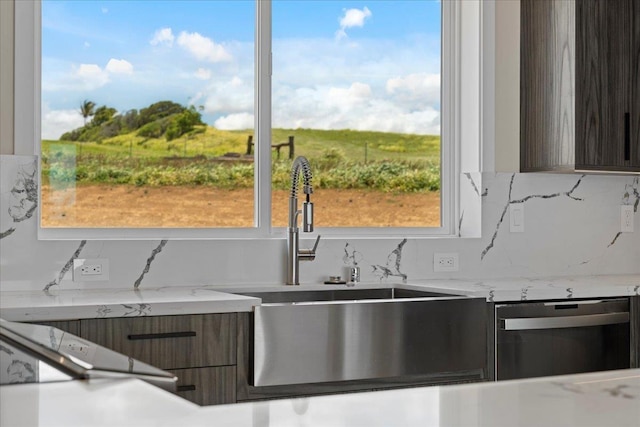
609, 399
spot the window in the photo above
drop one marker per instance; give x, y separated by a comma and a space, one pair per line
147, 108
356, 88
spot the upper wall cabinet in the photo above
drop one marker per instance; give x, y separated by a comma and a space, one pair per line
580, 85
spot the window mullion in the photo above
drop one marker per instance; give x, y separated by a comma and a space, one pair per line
262, 112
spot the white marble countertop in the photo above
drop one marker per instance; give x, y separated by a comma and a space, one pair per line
173, 300
609, 399
102, 303
531, 289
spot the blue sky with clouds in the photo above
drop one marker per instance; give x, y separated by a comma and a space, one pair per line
368, 65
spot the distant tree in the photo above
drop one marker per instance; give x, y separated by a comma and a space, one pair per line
130, 120
159, 110
87, 109
102, 115
183, 123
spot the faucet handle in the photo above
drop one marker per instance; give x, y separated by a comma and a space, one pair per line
309, 254
315, 246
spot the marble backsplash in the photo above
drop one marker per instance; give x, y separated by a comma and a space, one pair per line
572, 227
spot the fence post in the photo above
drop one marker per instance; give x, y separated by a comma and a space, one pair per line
291, 148
249, 144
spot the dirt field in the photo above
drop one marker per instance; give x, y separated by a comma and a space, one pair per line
128, 206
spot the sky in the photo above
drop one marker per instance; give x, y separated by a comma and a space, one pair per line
362, 65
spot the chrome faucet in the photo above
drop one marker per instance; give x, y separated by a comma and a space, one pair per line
294, 253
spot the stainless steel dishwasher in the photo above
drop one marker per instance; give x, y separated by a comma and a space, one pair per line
555, 338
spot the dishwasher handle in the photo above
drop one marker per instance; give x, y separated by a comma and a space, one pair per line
527, 323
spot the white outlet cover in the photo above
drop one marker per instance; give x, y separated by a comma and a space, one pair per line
446, 262
78, 263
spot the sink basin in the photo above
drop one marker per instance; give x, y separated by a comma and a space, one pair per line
316, 336
343, 294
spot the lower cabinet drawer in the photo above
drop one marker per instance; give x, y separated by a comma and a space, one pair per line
207, 386
168, 342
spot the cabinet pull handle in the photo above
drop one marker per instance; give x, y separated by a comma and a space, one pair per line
527, 323
627, 137
186, 388
162, 335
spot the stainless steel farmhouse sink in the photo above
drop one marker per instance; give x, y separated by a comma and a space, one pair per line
318, 336
343, 294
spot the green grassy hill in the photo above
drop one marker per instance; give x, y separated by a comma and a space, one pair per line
340, 159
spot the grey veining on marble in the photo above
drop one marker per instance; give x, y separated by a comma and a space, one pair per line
535, 289
563, 236
469, 222
351, 256
66, 268
33, 306
147, 266
17, 367
511, 201
473, 184
393, 264
630, 197
123, 310
19, 201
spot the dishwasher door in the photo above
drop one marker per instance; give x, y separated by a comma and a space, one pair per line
556, 338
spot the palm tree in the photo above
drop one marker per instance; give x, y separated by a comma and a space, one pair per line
86, 109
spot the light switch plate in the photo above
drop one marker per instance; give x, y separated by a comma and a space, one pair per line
516, 217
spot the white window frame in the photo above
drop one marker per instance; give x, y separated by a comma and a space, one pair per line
461, 80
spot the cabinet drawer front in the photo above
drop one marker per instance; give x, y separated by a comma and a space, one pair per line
71, 326
169, 342
207, 386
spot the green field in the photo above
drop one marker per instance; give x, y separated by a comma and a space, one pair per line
389, 162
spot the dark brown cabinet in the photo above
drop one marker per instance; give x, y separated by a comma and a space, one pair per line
71, 326
580, 85
635, 331
199, 349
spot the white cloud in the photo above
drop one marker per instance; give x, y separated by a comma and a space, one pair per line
228, 96
383, 85
419, 89
163, 36
357, 93
357, 107
90, 76
235, 121
203, 48
119, 66
203, 74
352, 18
57, 122
86, 77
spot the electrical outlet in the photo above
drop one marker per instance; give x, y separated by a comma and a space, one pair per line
445, 262
626, 219
90, 269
